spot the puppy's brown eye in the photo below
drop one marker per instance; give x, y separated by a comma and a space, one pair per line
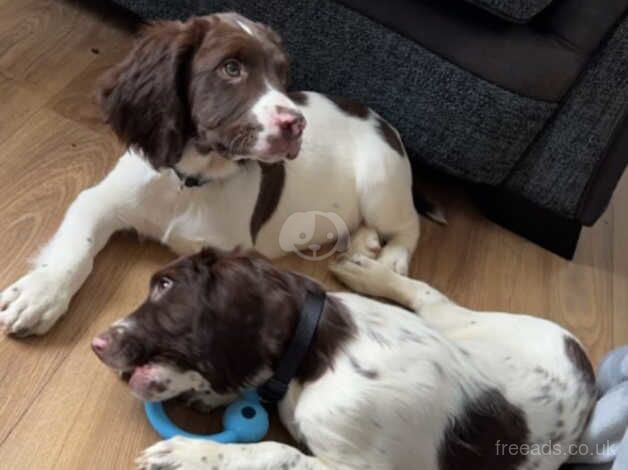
232, 68
160, 287
163, 284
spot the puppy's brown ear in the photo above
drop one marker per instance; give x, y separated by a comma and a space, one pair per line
144, 98
283, 59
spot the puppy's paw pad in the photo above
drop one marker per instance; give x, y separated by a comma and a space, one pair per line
34, 303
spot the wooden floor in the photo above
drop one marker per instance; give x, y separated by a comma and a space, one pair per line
59, 407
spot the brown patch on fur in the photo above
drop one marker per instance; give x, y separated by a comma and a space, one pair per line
390, 136
580, 361
587, 392
271, 187
172, 87
350, 107
230, 317
298, 97
470, 441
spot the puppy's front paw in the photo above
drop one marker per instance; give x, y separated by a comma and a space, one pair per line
365, 242
362, 274
396, 258
34, 303
181, 453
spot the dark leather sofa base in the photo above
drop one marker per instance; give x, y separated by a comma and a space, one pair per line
553, 232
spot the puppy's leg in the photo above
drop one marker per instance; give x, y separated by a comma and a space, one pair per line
192, 454
373, 278
386, 205
36, 301
399, 248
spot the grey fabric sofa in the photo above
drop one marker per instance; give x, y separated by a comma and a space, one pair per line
526, 100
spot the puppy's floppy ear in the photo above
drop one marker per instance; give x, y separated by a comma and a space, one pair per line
144, 98
273, 37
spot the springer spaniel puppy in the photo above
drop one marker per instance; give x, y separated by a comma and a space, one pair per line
435, 387
220, 155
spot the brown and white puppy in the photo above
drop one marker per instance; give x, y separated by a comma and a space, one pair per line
212, 138
443, 388
216, 83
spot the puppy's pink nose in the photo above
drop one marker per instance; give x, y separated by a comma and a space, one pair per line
99, 344
291, 123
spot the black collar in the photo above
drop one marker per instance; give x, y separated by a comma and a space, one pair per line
275, 389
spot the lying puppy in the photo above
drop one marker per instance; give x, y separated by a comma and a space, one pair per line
214, 141
443, 388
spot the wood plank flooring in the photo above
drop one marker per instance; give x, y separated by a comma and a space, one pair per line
59, 407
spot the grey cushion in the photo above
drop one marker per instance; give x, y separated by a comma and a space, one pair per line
519, 11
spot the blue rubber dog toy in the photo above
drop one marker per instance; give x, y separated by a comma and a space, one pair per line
244, 421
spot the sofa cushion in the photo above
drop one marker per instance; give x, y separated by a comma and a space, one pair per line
519, 11
568, 159
540, 60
